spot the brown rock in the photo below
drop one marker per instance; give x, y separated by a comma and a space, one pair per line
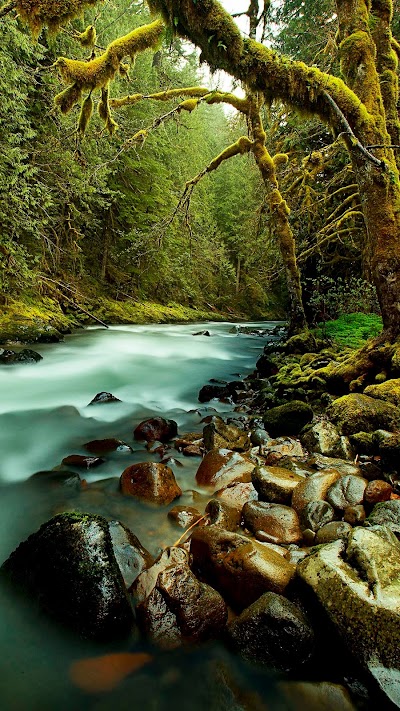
218, 435
314, 488
156, 428
275, 484
193, 450
332, 532
237, 495
220, 514
130, 555
377, 491
222, 467
79, 460
103, 446
278, 521
184, 516
151, 482
354, 515
241, 569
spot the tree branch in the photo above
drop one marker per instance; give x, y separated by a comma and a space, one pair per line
8, 7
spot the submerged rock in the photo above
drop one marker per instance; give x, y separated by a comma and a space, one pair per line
80, 460
8, 357
70, 568
104, 446
287, 419
103, 397
156, 429
151, 482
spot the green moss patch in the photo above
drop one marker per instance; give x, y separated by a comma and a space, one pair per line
351, 330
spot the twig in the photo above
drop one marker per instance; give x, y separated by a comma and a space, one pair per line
203, 518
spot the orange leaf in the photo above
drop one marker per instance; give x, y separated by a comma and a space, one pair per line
98, 674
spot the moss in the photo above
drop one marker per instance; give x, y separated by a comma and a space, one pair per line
351, 330
287, 419
359, 413
50, 13
85, 115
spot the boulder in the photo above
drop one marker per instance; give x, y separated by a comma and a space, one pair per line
219, 435
173, 607
332, 532
209, 392
359, 413
221, 514
103, 397
222, 467
267, 365
314, 488
241, 569
347, 491
70, 568
389, 391
104, 446
377, 491
323, 437
156, 429
287, 419
283, 447
275, 484
201, 333
357, 583
8, 357
130, 555
273, 632
237, 495
151, 482
386, 514
316, 514
319, 461
280, 522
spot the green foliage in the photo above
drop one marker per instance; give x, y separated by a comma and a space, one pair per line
351, 330
330, 298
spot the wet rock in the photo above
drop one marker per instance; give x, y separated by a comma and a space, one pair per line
258, 437
80, 460
354, 515
193, 450
173, 607
104, 446
156, 429
283, 447
237, 495
201, 333
377, 491
278, 521
388, 444
347, 491
332, 532
267, 365
220, 514
222, 467
287, 419
172, 462
275, 484
241, 569
314, 488
389, 391
356, 583
387, 514
184, 516
103, 398
315, 696
209, 392
360, 413
8, 357
70, 568
218, 435
56, 478
323, 437
151, 482
130, 555
316, 514
274, 632
319, 461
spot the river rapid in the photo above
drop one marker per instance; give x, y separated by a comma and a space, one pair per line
44, 416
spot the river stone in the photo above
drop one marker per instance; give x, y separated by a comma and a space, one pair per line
274, 632
388, 391
218, 435
316, 514
151, 482
332, 532
80, 460
323, 437
55, 478
358, 585
70, 568
258, 437
209, 392
283, 447
314, 488
354, 515
360, 413
130, 555
103, 397
184, 516
319, 461
287, 419
8, 357
275, 484
347, 491
315, 696
241, 569
278, 521
173, 607
222, 467
387, 514
104, 446
377, 491
156, 429
223, 515
237, 495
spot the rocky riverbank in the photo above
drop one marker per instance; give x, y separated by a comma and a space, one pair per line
287, 546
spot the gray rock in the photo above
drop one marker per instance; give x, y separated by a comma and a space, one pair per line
324, 437
316, 514
387, 514
217, 434
347, 491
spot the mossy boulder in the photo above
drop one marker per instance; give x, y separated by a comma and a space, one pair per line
360, 413
323, 437
301, 343
287, 419
69, 567
389, 391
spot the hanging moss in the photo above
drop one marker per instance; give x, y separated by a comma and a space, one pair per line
50, 13
280, 159
67, 99
88, 37
86, 114
105, 113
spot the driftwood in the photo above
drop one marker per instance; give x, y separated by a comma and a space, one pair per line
71, 301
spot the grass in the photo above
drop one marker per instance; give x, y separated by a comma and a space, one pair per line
351, 330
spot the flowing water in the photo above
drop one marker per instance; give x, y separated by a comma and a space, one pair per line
44, 416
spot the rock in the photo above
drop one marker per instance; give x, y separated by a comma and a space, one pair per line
218, 435
275, 484
332, 532
201, 333
315, 696
316, 514
220, 514
279, 522
323, 437
267, 365
130, 555
103, 398
222, 467
241, 569
314, 488
237, 495
283, 447
80, 460
184, 516
156, 429
274, 632
360, 413
56, 478
354, 515
377, 490
363, 443
8, 357
389, 391
193, 450
387, 514
319, 461
209, 392
151, 482
301, 343
357, 584
70, 568
173, 607
287, 419
388, 446
104, 446
259, 437
346, 491
187, 439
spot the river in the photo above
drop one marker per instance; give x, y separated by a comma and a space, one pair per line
44, 416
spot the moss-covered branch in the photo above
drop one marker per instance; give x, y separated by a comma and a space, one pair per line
50, 13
